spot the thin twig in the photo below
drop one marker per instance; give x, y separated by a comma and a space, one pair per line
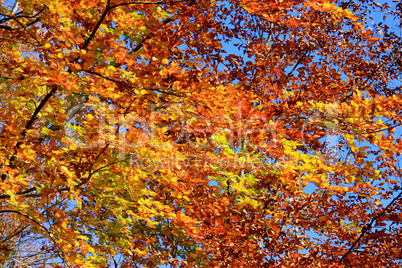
298, 62
12, 16
125, 82
367, 79
25, 28
35, 221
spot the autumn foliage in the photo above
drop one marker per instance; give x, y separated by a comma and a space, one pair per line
200, 133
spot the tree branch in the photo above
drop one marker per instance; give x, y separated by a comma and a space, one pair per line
39, 108
368, 78
26, 216
369, 226
15, 7
120, 82
29, 124
102, 18
35, 221
166, 21
298, 62
12, 16
101, 75
25, 28
147, 3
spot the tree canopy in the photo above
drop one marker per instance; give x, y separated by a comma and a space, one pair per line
200, 133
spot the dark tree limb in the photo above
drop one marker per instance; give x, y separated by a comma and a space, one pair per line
102, 18
30, 122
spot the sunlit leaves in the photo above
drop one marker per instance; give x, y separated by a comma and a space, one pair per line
216, 134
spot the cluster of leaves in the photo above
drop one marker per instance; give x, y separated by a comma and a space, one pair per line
129, 136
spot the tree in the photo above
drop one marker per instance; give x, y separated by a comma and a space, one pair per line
130, 137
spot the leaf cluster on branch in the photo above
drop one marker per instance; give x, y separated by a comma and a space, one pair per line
200, 133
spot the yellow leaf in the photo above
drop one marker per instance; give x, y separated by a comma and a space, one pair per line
66, 172
140, 252
83, 237
29, 153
